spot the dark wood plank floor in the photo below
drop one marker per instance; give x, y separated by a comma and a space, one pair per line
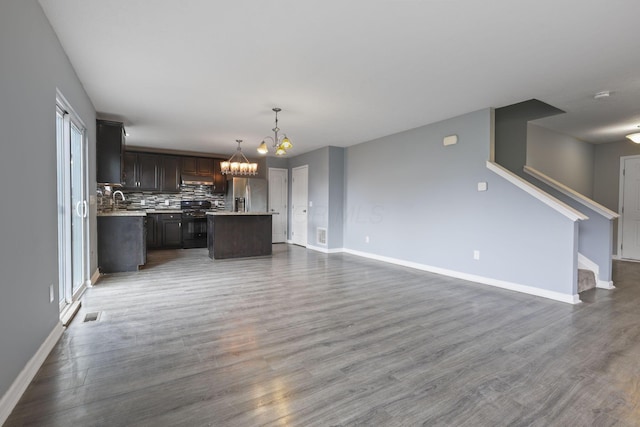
309, 339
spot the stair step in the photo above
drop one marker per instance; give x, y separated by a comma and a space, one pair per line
586, 280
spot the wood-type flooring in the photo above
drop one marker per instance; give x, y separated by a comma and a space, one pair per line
304, 338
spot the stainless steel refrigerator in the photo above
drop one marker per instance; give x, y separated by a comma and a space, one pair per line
246, 195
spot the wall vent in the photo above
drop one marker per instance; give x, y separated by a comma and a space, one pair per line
321, 236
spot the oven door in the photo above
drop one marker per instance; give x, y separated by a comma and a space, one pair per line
194, 232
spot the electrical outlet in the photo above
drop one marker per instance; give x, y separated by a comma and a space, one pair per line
143, 202
166, 203
366, 239
51, 294
476, 255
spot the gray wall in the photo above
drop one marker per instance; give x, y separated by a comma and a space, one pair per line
562, 157
418, 202
318, 191
606, 186
607, 171
336, 198
32, 66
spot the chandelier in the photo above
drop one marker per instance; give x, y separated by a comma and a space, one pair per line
280, 144
238, 164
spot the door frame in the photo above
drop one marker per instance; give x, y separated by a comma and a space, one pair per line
284, 215
65, 209
621, 182
293, 205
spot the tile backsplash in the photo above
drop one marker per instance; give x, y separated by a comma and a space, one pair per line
134, 199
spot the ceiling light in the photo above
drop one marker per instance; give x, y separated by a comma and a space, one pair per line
280, 144
238, 164
635, 137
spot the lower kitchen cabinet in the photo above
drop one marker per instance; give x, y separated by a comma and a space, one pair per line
121, 243
164, 231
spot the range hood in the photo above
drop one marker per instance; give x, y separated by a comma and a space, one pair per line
197, 180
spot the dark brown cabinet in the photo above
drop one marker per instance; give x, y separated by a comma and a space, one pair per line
197, 166
164, 231
110, 144
219, 180
141, 171
170, 174
121, 243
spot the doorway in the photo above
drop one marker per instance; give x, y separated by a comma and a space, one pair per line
71, 142
299, 202
629, 208
278, 200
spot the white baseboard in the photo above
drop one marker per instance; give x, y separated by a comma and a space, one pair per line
556, 296
20, 384
603, 284
325, 250
95, 277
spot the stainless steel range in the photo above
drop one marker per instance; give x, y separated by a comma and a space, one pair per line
194, 223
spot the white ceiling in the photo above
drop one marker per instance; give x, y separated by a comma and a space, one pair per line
198, 74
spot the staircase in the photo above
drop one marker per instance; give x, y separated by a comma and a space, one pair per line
586, 280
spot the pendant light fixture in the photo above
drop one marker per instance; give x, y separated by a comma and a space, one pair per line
238, 164
280, 143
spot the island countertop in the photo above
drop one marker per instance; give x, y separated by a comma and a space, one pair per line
241, 213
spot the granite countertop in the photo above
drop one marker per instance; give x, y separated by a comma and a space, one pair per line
241, 213
167, 211
122, 212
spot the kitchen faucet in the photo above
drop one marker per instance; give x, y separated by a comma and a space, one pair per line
113, 198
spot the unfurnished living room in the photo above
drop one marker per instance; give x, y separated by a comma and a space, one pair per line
381, 213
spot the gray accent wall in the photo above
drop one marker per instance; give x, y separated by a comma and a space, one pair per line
32, 65
511, 131
417, 201
564, 158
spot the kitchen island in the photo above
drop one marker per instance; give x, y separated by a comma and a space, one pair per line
238, 234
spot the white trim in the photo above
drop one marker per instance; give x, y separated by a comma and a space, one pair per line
325, 250
69, 313
621, 204
603, 284
557, 296
534, 191
28, 373
95, 277
591, 204
587, 264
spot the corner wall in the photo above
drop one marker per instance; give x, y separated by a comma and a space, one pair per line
32, 65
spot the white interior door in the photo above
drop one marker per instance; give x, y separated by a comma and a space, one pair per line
299, 202
630, 208
278, 204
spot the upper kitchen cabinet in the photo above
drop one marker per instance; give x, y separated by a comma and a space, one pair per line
110, 144
142, 171
170, 174
219, 180
197, 166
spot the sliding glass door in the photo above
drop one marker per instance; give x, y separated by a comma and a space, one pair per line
72, 205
